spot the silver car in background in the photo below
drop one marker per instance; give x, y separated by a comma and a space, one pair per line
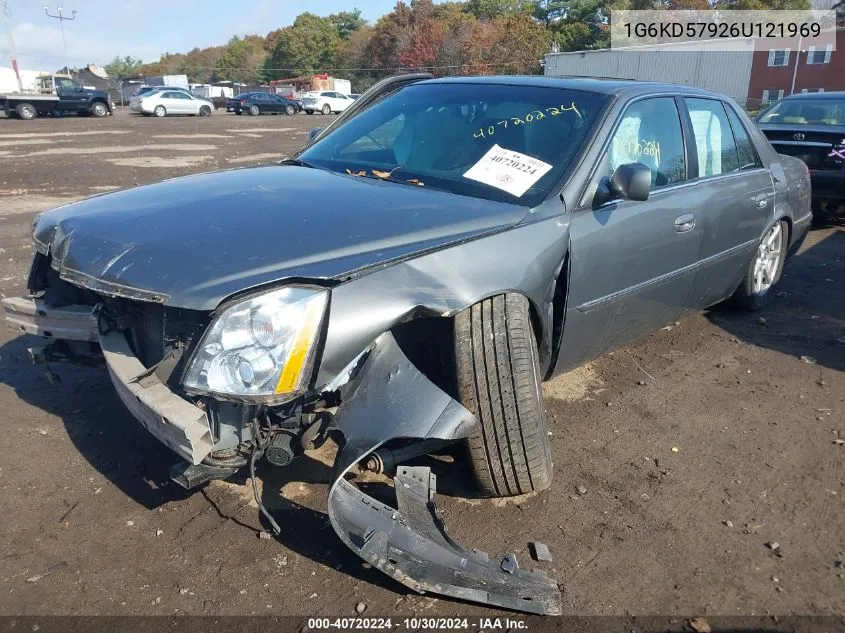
165, 102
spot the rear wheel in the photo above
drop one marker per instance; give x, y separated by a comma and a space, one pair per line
765, 268
26, 111
498, 375
160, 111
254, 110
326, 109
99, 109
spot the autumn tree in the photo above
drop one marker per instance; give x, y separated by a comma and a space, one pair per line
489, 9
123, 66
241, 60
390, 35
347, 22
311, 44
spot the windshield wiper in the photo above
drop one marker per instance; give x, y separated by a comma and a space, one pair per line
377, 174
298, 162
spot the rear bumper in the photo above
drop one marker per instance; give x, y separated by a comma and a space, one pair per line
828, 184
173, 420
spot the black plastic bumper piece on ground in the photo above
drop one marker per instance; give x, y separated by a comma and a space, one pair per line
411, 545
190, 475
391, 399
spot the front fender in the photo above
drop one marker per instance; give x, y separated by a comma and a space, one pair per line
390, 399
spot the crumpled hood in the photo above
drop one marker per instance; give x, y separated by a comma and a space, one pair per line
191, 242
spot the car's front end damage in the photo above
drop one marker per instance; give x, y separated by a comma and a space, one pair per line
282, 366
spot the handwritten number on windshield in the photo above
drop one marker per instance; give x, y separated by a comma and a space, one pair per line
534, 115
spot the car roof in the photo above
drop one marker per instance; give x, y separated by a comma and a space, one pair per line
602, 85
836, 94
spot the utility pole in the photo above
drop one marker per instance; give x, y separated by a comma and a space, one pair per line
797, 60
61, 18
4, 9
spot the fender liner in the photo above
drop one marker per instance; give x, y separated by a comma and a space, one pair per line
390, 399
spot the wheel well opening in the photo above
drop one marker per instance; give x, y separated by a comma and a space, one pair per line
429, 343
788, 221
559, 297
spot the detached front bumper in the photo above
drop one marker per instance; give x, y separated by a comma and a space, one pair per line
177, 423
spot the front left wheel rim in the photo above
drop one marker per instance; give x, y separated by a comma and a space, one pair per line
767, 259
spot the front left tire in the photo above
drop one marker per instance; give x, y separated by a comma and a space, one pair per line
498, 377
205, 110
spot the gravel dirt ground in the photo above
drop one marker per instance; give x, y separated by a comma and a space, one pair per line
679, 461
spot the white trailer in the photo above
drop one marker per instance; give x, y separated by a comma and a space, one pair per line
343, 86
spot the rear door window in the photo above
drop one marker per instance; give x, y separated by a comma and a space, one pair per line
717, 152
748, 157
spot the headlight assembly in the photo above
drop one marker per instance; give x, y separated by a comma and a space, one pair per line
259, 349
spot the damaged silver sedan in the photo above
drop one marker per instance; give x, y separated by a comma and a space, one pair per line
465, 239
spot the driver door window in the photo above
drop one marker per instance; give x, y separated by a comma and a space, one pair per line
650, 133
376, 145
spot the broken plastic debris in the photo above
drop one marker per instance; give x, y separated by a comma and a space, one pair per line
540, 551
700, 625
509, 563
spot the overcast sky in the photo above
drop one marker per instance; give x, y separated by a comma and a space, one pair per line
105, 28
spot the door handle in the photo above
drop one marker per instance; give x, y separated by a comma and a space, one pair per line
685, 223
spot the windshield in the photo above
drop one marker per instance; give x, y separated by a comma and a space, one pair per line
806, 112
499, 142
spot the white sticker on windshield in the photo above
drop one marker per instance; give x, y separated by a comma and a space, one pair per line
508, 170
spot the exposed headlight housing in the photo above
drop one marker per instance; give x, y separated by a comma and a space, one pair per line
260, 349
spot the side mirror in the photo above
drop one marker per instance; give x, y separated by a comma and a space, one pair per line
313, 134
631, 181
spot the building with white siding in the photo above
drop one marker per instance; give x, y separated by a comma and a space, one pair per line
723, 67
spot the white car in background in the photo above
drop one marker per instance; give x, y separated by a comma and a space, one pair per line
165, 102
326, 102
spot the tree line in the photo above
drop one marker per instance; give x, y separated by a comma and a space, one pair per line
450, 38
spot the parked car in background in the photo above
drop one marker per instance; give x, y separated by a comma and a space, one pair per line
170, 102
811, 126
256, 103
235, 102
148, 90
408, 279
59, 95
354, 96
326, 102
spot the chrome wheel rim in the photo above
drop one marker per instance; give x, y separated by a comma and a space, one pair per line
767, 260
